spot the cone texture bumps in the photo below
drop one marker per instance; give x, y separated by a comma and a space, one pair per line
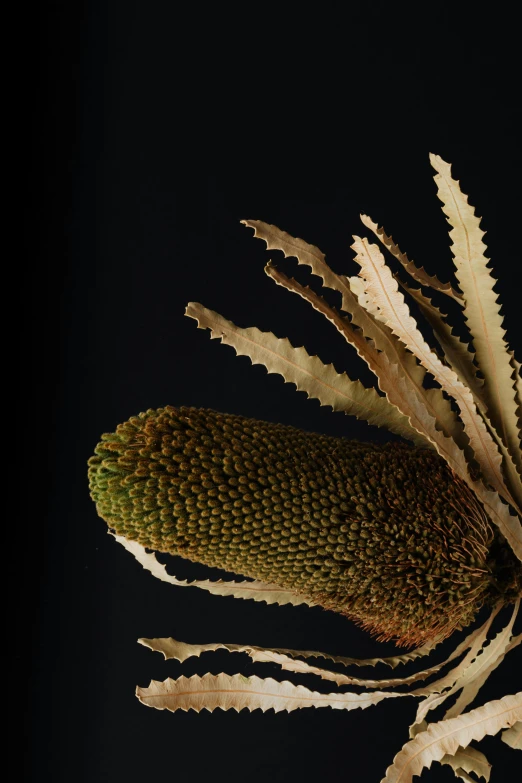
386, 535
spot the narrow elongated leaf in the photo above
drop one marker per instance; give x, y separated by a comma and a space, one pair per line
383, 299
513, 736
318, 380
456, 351
446, 736
437, 692
255, 590
376, 361
235, 692
286, 659
383, 338
518, 390
482, 311
418, 273
476, 675
460, 359
474, 680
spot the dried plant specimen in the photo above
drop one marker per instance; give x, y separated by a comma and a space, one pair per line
407, 540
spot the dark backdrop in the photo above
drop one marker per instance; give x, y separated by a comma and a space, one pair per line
155, 132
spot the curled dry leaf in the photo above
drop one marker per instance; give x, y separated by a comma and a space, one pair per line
418, 273
287, 659
446, 736
254, 590
513, 736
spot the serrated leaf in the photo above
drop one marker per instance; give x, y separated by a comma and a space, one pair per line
460, 359
468, 760
181, 651
374, 330
456, 351
419, 274
235, 692
513, 736
437, 692
254, 590
478, 672
286, 659
482, 311
308, 373
446, 736
375, 360
383, 299
518, 390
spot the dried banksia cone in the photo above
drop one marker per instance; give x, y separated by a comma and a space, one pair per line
386, 535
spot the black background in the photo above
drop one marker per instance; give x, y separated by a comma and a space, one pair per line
155, 132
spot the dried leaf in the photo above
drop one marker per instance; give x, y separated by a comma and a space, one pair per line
180, 651
418, 273
482, 311
456, 351
478, 672
235, 692
318, 380
513, 736
374, 330
376, 361
468, 760
446, 736
383, 299
437, 692
518, 390
255, 590
461, 360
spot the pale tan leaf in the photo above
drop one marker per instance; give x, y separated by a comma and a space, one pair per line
446, 736
461, 774
308, 373
171, 648
456, 351
518, 390
478, 672
468, 760
398, 423
418, 273
255, 590
482, 311
374, 330
180, 651
392, 662
460, 359
513, 736
235, 692
437, 692
463, 761
383, 299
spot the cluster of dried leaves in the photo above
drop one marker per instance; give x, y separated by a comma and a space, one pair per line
375, 318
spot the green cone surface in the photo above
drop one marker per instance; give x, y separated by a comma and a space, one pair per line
386, 535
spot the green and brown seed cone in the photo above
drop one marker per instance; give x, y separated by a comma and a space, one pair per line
386, 535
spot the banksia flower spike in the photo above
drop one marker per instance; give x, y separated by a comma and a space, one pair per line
409, 540
386, 535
